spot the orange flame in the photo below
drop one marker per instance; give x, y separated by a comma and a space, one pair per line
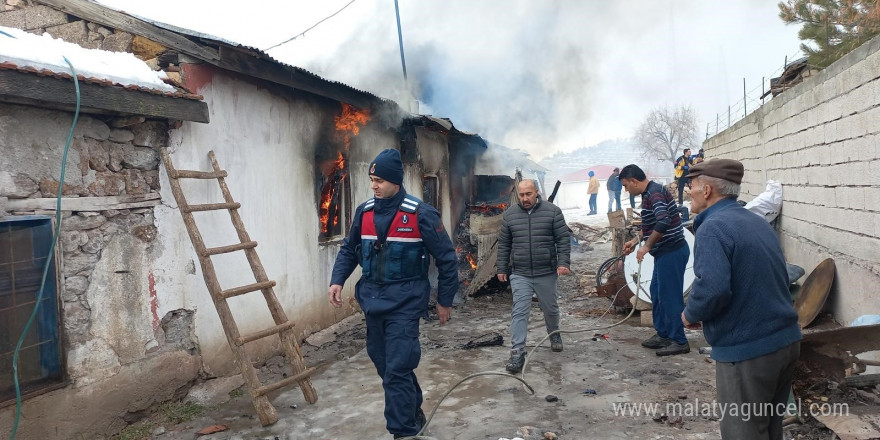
348, 123
489, 208
331, 188
471, 261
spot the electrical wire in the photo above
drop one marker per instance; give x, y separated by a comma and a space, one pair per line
312, 27
49, 258
521, 378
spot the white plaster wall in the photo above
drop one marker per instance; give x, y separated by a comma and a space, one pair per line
434, 156
821, 140
266, 144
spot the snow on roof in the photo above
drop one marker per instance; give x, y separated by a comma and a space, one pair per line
44, 52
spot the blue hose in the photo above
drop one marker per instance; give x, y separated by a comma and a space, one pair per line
49, 258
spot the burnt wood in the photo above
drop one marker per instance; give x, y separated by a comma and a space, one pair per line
46, 91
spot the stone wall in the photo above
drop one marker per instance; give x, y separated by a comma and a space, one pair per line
821, 140
39, 19
112, 336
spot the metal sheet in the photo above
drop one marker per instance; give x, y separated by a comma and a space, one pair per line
631, 268
814, 292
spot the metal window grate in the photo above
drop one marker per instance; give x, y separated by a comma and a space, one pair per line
24, 248
431, 191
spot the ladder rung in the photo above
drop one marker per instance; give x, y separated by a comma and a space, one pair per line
190, 174
283, 383
227, 249
212, 207
263, 333
247, 289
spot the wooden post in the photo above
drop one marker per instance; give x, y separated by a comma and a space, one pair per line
617, 221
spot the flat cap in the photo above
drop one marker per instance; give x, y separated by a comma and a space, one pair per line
727, 169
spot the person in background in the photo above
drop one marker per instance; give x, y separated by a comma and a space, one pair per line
661, 226
614, 187
392, 236
741, 297
697, 158
682, 165
533, 250
593, 191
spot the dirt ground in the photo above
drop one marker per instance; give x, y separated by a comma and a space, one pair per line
586, 381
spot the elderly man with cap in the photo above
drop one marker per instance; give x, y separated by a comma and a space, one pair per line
741, 297
391, 237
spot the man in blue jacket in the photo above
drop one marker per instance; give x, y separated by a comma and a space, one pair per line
614, 188
741, 297
391, 237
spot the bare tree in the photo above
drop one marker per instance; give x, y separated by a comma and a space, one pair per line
666, 132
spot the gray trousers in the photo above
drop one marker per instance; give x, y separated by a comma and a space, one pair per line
759, 388
523, 287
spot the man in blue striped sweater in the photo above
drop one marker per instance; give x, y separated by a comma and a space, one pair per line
661, 226
741, 296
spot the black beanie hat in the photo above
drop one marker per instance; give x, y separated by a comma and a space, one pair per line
387, 165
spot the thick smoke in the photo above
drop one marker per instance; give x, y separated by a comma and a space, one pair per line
520, 73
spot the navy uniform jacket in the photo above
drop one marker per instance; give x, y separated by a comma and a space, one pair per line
406, 296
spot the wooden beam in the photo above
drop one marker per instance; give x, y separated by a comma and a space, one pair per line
117, 20
85, 203
26, 88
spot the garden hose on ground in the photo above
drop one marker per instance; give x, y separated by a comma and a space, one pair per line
529, 389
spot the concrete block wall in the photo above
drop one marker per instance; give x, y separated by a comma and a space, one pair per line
821, 140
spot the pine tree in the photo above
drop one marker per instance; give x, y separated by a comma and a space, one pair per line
831, 28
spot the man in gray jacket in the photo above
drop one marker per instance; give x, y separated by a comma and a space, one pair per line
533, 249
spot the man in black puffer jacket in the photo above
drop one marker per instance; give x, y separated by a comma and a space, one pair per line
533, 250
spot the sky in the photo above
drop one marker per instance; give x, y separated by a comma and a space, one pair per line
537, 75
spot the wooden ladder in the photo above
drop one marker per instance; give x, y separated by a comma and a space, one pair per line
283, 327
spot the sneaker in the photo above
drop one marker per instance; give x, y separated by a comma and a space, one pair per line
656, 341
674, 348
516, 362
556, 342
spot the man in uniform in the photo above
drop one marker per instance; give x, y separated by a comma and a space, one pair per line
391, 237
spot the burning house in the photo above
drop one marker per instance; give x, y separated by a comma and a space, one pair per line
137, 318
492, 191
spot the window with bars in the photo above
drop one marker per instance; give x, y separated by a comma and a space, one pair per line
24, 250
431, 191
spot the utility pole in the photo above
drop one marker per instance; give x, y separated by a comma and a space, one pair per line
745, 112
400, 42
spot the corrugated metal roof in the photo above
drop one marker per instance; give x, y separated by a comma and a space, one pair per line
255, 51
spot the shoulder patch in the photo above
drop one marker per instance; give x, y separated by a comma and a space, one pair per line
368, 205
410, 204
